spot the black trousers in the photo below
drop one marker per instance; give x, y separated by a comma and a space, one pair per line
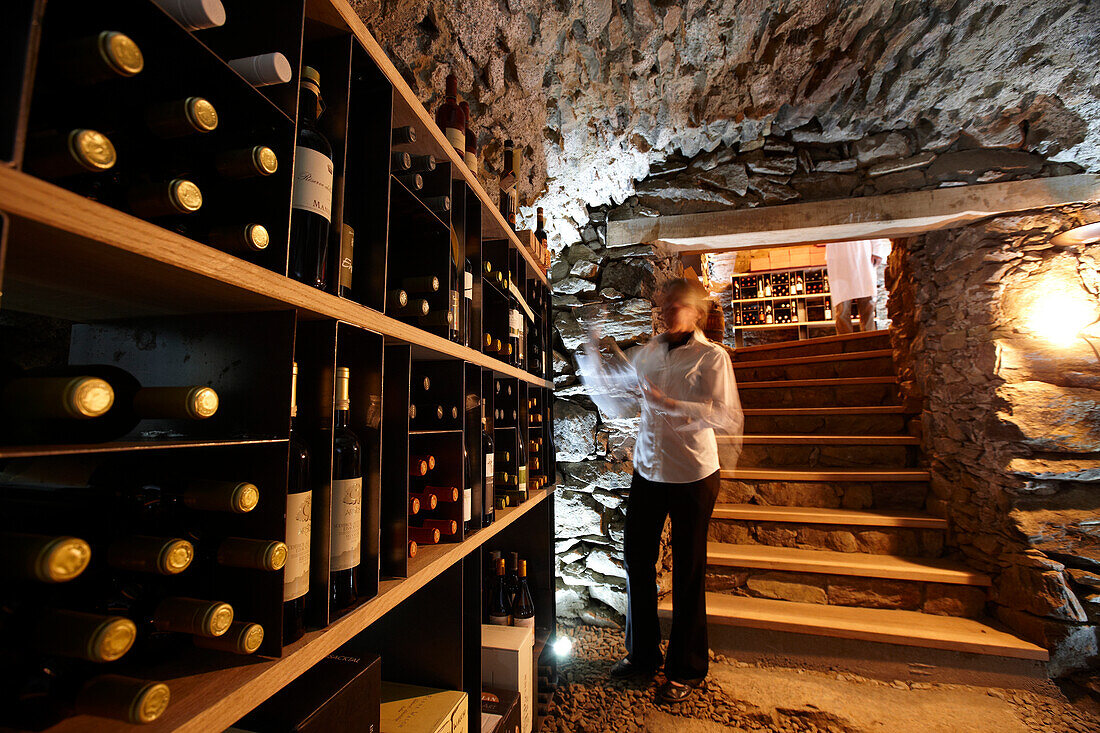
690, 506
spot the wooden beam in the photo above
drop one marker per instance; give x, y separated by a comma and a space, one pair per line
869, 217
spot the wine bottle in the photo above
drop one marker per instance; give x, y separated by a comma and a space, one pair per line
90, 637
467, 299
426, 500
396, 298
50, 692
43, 558
424, 535
446, 527
541, 240
511, 580
450, 119
422, 163
414, 506
439, 205
242, 638
439, 319
405, 135
412, 181
507, 172
311, 213
417, 466
149, 554
467, 492
240, 239
299, 515
470, 149
268, 68
523, 606
195, 15
421, 284
106, 56
413, 548
78, 152
400, 161
160, 199
251, 554
499, 606
256, 161
445, 494
417, 307
488, 515
346, 262
347, 501
181, 117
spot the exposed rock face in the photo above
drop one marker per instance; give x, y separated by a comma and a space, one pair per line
595, 92
1010, 417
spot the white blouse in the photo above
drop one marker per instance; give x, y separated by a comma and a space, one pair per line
675, 445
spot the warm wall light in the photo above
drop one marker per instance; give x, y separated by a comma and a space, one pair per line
563, 645
1086, 234
1060, 316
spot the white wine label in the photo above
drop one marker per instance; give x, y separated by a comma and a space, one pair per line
467, 504
457, 138
521, 478
471, 162
312, 182
490, 474
500, 620
515, 323
454, 301
526, 622
347, 523
468, 285
299, 511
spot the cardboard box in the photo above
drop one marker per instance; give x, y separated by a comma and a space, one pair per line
415, 709
779, 258
499, 711
339, 694
507, 662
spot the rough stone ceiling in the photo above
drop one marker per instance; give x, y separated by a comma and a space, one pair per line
595, 91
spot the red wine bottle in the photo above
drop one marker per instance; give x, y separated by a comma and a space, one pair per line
499, 605
311, 215
347, 502
488, 509
470, 156
450, 119
523, 606
299, 512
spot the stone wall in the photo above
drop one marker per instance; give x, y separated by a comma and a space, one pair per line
1011, 422
610, 290
595, 92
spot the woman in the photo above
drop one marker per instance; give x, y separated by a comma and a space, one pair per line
688, 391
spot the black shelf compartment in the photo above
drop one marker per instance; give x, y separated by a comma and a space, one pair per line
397, 363
442, 440
322, 347
474, 463
254, 27
231, 352
419, 246
328, 50
19, 36
366, 189
494, 323
245, 119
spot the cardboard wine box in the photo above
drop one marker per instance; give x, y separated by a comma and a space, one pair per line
499, 711
339, 694
415, 709
507, 662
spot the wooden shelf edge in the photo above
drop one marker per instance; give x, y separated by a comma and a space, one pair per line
802, 296
32, 451
355, 23
27, 197
270, 676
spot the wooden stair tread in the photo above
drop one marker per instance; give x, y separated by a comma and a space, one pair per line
868, 410
836, 338
833, 382
816, 358
818, 515
812, 439
892, 567
786, 474
907, 628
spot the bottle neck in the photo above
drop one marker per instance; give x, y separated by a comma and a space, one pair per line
340, 417
309, 105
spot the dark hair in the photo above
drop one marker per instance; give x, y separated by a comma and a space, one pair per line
687, 291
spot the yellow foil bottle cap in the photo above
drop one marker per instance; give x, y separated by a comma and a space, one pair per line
256, 237
265, 160
92, 149
218, 619
175, 557
89, 397
201, 114
245, 497
343, 378
121, 53
62, 559
202, 402
150, 703
112, 639
185, 196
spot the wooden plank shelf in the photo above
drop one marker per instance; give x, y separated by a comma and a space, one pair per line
799, 296
126, 446
212, 699
793, 324
115, 260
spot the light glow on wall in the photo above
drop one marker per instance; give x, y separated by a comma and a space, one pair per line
1061, 314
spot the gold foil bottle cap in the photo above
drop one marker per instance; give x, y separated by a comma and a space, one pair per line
310, 75
343, 399
112, 639
130, 700
120, 53
61, 559
92, 149
89, 397
245, 497
241, 638
254, 554
202, 402
201, 114
218, 619
256, 237
265, 160
185, 196
175, 557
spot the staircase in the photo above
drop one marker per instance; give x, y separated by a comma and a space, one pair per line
819, 540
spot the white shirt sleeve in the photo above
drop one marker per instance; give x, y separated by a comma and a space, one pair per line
720, 407
612, 382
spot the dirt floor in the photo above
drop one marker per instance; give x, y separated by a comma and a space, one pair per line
744, 697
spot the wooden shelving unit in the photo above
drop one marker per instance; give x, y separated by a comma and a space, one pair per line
756, 305
114, 278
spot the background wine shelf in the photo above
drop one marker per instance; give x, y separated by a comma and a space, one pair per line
84, 281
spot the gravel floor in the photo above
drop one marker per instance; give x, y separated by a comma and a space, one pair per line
590, 701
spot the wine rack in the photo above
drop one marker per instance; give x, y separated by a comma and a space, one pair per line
91, 275
797, 298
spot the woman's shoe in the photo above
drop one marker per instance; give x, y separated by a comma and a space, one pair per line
675, 691
626, 668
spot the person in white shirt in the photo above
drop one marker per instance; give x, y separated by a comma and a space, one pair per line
852, 278
688, 392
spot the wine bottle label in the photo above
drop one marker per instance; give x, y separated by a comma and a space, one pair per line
521, 477
500, 620
468, 285
467, 504
525, 622
515, 323
457, 138
347, 523
312, 182
471, 161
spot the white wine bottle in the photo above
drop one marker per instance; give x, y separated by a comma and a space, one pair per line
195, 15
264, 69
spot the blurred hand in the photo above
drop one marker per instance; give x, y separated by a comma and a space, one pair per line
656, 395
